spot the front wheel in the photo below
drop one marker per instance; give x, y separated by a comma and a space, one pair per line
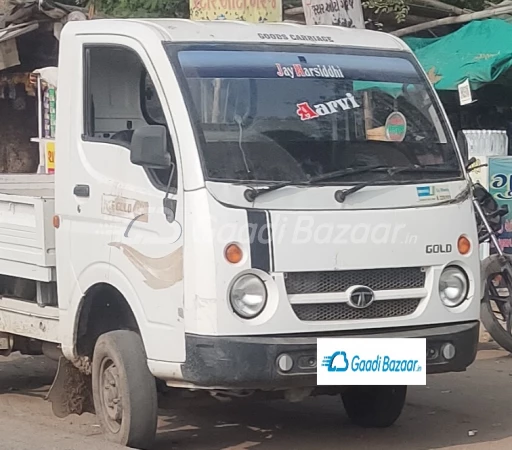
124, 391
374, 406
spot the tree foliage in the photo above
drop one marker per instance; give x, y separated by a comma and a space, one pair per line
400, 8
136, 8
144, 8
474, 5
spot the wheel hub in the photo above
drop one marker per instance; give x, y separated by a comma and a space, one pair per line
111, 399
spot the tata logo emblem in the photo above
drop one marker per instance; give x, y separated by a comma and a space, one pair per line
360, 297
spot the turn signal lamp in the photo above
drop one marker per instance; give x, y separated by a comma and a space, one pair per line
464, 245
233, 253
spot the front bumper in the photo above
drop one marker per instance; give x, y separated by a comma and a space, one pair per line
249, 362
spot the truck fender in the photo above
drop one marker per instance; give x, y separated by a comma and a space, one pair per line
88, 279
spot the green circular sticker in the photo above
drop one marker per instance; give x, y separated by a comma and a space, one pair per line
396, 127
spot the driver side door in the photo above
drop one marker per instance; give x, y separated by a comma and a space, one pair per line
145, 243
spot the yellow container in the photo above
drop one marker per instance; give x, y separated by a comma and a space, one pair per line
50, 157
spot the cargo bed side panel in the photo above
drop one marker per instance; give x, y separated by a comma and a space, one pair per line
27, 236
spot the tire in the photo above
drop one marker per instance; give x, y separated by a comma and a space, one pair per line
124, 391
374, 406
491, 266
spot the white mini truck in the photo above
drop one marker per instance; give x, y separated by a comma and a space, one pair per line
224, 195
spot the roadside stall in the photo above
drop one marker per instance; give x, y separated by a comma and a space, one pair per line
45, 81
470, 69
29, 41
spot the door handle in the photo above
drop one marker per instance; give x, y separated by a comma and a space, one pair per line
81, 190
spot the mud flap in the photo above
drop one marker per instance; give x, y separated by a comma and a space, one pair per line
71, 391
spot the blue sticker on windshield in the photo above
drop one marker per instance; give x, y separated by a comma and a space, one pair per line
439, 193
425, 192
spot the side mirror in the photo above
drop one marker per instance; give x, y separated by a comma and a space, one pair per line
149, 147
470, 164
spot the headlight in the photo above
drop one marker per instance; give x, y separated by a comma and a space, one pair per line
453, 287
248, 296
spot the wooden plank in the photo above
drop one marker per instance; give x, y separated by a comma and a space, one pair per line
453, 20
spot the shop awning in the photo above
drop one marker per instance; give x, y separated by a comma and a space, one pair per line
480, 51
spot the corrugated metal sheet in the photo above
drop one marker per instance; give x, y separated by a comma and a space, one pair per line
4, 6
25, 11
17, 30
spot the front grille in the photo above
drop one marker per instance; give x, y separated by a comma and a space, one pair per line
343, 311
340, 281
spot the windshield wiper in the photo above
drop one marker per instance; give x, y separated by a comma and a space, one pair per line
252, 194
341, 195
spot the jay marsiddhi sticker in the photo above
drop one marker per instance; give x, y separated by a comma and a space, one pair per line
396, 127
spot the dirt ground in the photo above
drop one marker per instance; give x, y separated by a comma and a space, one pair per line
470, 410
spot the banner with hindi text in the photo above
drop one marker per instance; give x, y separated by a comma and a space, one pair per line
500, 186
244, 10
344, 13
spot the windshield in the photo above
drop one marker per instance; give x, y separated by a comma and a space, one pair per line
291, 115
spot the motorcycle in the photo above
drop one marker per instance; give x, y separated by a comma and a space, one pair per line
496, 269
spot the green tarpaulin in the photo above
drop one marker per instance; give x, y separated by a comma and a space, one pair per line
480, 51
